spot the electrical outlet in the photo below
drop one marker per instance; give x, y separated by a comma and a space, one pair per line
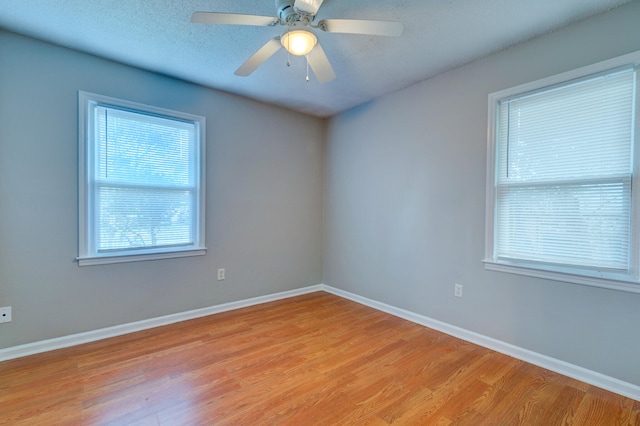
221, 274
457, 290
5, 314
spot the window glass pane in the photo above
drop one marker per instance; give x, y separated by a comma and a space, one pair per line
580, 225
143, 149
143, 218
580, 131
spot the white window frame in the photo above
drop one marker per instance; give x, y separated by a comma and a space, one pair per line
602, 279
86, 254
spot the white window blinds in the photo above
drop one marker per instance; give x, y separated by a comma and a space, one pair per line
145, 182
564, 172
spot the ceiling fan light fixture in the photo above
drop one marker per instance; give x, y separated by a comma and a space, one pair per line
299, 42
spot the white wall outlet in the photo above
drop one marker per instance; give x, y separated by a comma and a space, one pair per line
220, 274
457, 290
5, 314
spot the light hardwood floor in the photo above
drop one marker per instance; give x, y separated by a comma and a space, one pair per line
313, 359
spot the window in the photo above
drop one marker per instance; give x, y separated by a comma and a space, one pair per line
141, 182
562, 181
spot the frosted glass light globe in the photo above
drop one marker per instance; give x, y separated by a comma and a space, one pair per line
299, 42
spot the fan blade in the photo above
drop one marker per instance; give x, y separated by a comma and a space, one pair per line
320, 64
309, 7
233, 19
356, 26
258, 58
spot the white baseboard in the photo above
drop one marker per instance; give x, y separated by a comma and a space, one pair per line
579, 373
562, 367
118, 330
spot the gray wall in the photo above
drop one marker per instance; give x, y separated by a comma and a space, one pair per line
264, 198
405, 207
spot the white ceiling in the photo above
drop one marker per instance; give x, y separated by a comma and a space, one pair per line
157, 35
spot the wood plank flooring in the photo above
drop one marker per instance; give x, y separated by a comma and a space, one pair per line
316, 359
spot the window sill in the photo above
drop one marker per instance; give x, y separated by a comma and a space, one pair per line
621, 284
103, 260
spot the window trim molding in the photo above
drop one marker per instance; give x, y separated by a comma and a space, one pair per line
85, 258
123, 258
595, 279
621, 284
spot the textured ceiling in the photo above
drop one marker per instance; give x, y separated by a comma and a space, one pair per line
157, 35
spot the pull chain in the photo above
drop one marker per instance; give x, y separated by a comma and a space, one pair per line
307, 58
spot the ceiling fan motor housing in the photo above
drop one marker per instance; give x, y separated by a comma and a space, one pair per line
285, 10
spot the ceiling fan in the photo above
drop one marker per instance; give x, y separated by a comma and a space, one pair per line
299, 38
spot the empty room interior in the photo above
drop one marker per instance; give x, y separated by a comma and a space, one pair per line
379, 230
